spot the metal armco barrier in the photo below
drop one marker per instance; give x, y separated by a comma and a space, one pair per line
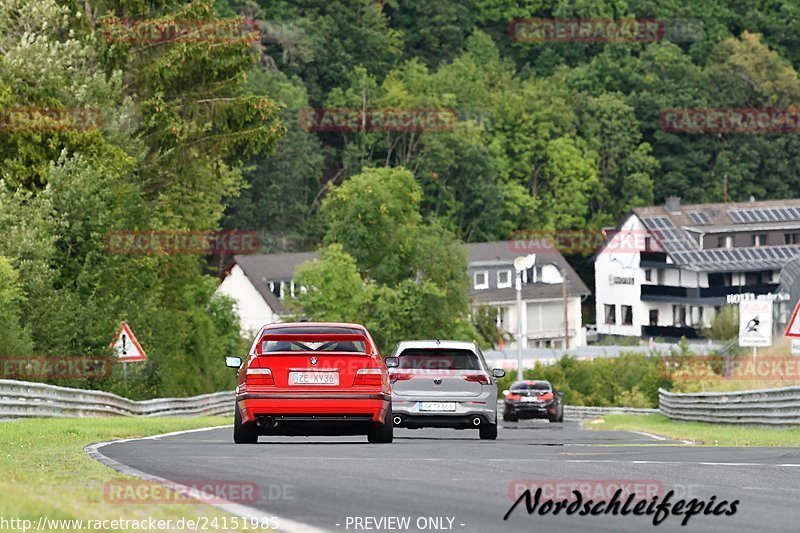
768, 407
579, 413
25, 399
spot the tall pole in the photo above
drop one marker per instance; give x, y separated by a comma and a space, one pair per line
519, 325
566, 307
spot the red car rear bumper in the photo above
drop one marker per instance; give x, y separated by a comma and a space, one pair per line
273, 404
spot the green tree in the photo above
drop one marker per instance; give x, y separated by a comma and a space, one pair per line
14, 338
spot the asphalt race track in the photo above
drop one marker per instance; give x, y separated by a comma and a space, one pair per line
332, 482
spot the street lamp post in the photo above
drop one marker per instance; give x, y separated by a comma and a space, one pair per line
520, 264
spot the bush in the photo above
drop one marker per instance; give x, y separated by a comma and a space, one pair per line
630, 380
725, 324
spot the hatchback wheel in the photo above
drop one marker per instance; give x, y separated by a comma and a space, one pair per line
382, 433
488, 431
243, 433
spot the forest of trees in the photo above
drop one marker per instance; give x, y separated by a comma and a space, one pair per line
200, 135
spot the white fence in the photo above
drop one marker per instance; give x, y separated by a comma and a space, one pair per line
771, 406
24, 399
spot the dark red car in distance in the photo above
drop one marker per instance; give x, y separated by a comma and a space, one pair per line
533, 399
312, 378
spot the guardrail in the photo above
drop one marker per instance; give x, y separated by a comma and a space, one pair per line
769, 407
25, 399
579, 413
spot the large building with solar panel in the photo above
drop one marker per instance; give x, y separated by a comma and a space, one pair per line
689, 261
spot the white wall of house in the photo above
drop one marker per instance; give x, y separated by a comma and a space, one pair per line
618, 281
253, 311
544, 319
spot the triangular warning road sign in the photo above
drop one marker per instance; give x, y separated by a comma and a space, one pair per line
793, 328
126, 347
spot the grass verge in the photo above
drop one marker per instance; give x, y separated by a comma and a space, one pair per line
701, 432
44, 471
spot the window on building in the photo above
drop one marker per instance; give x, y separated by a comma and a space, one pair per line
653, 317
759, 239
700, 317
501, 317
481, 280
275, 288
503, 279
724, 241
528, 275
648, 244
648, 275
610, 314
627, 314
791, 238
678, 315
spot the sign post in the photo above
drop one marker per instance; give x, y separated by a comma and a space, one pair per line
521, 264
755, 324
127, 349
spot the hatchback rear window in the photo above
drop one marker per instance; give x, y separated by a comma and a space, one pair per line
438, 359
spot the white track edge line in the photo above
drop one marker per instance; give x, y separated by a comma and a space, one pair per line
285, 525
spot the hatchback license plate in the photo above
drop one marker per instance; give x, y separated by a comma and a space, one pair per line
437, 406
314, 378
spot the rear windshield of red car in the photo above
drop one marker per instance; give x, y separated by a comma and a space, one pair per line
306, 341
438, 359
538, 385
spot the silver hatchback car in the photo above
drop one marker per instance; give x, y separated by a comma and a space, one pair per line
443, 384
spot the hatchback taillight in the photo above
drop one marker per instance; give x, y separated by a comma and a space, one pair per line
400, 376
479, 378
259, 376
514, 397
368, 376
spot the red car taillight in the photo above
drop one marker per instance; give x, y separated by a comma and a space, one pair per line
479, 378
546, 396
514, 397
400, 376
368, 376
259, 376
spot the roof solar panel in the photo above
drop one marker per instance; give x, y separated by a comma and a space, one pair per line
766, 214
699, 218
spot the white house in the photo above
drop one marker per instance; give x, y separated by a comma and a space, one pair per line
259, 284
669, 269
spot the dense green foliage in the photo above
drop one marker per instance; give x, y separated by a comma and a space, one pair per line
176, 122
384, 267
549, 135
630, 380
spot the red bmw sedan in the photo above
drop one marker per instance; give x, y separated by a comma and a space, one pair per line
311, 378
